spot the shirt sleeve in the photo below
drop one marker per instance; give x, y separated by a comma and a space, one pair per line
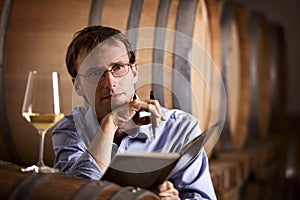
193, 180
71, 155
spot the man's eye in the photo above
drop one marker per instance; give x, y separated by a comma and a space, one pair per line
118, 67
95, 73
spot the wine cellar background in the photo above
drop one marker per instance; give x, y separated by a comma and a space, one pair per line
257, 154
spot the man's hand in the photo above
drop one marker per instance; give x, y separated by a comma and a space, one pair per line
123, 117
166, 191
126, 116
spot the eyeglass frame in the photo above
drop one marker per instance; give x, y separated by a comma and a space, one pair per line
102, 76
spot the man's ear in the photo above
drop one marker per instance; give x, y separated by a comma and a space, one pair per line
77, 86
135, 72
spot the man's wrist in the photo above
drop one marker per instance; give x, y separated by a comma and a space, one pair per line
108, 125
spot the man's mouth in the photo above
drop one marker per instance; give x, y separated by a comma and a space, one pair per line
112, 96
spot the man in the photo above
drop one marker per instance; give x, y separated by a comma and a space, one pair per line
104, 71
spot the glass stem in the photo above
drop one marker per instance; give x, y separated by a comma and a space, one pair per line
41, 148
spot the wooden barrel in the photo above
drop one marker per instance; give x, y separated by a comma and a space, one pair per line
278, 78
6, 139
236, 73
37, 34
226, 176
260, 76
165, 34
178, 51
18, 185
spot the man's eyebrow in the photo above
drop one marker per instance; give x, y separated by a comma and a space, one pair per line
120, 62
89, 69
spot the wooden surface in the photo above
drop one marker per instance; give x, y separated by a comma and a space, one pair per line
278, 77
199, 22
38, 35
236, 74
40, 31
260, 76
17, 185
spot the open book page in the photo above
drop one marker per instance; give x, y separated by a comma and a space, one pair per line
140, 169
191, 149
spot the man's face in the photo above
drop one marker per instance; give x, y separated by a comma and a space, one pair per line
108, 92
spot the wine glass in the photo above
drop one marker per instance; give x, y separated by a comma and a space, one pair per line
42, 109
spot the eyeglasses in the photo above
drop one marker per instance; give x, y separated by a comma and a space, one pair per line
97, 75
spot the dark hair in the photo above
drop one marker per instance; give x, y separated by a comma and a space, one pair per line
88, 38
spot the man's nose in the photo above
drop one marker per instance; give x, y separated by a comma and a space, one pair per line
110, 80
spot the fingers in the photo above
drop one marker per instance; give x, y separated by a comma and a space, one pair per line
165, 186
123, 115
126, 115
154, 108
169, 195
138, 120
166, 191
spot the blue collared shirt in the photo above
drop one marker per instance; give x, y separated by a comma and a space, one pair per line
73, 134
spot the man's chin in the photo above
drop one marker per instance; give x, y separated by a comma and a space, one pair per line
115, 106
111, 104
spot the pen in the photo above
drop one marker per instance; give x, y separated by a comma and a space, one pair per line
153, 119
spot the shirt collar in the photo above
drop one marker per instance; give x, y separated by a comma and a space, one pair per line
144, 131
140, 132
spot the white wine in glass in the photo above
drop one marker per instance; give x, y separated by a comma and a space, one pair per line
42, 109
